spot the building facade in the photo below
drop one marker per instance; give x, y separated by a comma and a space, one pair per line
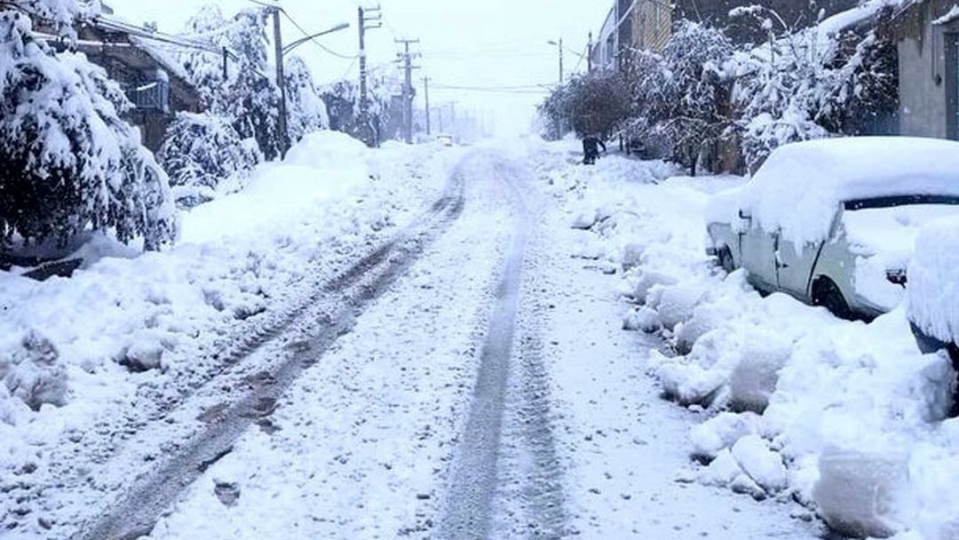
928, 45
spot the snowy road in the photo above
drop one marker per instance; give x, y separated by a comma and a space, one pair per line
469, 379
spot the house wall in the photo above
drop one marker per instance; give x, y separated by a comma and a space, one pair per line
652, 22
928, 72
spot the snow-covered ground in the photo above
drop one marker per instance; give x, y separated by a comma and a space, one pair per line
846, 418
487, 389
89, 361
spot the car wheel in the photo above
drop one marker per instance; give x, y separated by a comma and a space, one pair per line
827, 294
726, 261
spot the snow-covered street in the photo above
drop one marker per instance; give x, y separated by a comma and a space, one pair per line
287, 269
468, 377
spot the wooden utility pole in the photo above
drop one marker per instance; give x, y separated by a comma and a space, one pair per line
426, 93
561, 74
367, 132
408, 68
281, 82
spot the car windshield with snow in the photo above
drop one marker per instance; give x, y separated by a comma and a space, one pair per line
832, 224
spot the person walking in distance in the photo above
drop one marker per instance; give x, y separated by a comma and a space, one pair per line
591, 145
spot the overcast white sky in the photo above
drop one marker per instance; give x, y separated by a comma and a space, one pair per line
486, 43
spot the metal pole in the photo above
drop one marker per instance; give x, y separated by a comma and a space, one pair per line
589, 54
408, 95
561, 77
426, 89
363, 90
281, 82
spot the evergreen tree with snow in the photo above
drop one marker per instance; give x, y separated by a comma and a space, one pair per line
306, 111
71, 164
200, 151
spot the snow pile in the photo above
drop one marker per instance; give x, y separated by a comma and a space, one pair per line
934, 281
130, 331
848, 419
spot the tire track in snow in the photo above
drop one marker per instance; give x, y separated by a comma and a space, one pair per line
137, 509
507, 449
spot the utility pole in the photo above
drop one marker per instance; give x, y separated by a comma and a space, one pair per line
426, 93
367, 132
281, 82
408, 88
589, 54
561, 77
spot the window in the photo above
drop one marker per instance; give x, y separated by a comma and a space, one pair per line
150, 92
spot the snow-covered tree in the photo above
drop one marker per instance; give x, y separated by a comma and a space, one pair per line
70, 162
200, 151
306, 111
251, 98
595, 104
204, 68
681, 100
804, 85
342, 101
248, 97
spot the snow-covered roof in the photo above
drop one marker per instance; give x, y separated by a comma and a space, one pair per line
802, 185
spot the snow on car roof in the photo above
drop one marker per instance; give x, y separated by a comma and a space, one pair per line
800, 188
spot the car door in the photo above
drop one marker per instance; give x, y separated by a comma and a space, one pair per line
794, 266
759, 254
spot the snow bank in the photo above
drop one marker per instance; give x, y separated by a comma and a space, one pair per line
847, 418
934, 281
817, 176
80, 352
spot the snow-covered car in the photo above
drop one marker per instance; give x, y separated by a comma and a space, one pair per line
933, 305
445, 138
834, 222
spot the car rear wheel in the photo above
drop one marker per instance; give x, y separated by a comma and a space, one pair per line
726, 261
827, 294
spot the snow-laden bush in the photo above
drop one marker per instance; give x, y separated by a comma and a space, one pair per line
200, 151
70, 162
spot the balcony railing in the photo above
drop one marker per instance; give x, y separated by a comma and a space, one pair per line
153, 96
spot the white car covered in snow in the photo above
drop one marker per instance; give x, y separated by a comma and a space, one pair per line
834, 222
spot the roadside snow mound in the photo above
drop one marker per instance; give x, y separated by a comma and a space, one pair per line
131, 332
847, 418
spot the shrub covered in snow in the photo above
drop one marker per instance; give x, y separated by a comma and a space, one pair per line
71, 162
201, 150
